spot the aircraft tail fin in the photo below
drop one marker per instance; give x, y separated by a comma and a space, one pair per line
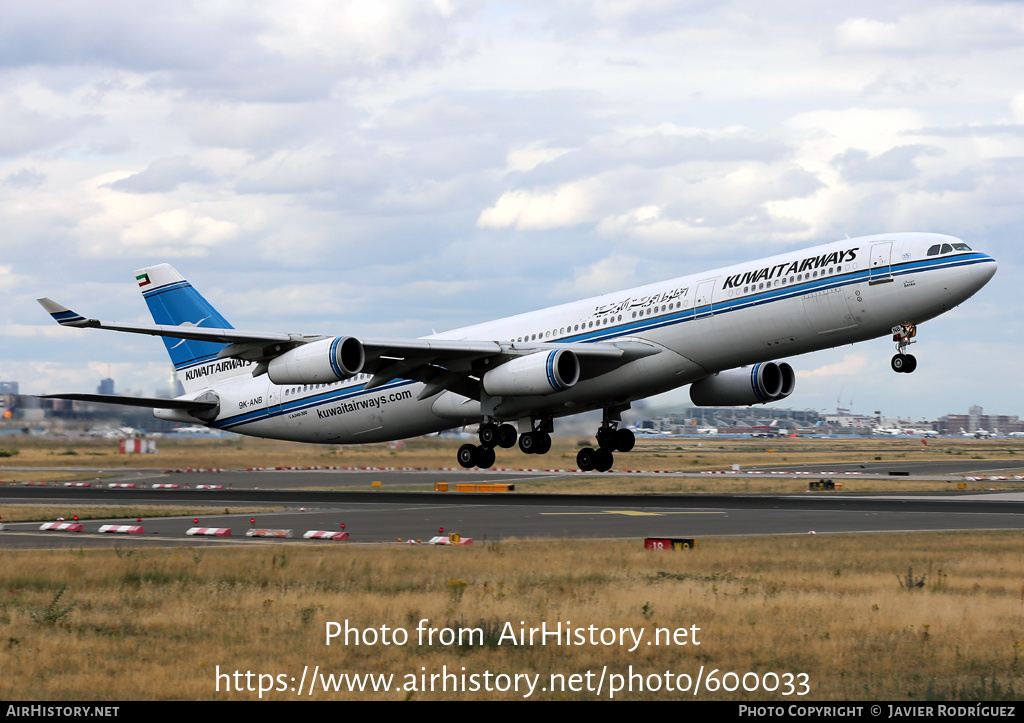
172, 300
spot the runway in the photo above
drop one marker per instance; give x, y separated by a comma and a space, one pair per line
296, 501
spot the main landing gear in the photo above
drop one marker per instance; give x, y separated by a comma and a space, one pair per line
904, 335
609, 440
491, 435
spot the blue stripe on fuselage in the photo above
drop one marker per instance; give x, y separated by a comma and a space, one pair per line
327, 396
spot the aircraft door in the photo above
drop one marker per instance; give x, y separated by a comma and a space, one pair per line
881, 260
702, 303
274, 398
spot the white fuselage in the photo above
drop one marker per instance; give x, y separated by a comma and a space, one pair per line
793, 303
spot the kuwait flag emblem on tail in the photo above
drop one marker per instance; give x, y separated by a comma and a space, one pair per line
143, 279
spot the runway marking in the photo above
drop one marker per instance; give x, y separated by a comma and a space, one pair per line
632, 513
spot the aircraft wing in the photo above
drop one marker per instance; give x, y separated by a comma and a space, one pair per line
65, 317
452, 364
457, 365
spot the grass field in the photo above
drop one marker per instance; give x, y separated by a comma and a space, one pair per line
692, 453
930, 616
872, 617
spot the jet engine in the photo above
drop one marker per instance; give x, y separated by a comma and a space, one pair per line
759, 384
537, 373
319, 362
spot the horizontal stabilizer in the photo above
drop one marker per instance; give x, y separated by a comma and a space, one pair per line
149, 402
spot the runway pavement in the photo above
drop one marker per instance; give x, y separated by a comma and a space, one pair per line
382, 516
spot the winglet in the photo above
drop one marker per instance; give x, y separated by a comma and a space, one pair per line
62, 314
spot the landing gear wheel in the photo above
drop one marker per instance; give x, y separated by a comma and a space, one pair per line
535, 442
585, 459
603, 460
606, 439
904, 363
624, 440
468, 455
488, 434
507, 436
485, 458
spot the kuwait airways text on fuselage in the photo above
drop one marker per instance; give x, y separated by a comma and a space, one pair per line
796, 267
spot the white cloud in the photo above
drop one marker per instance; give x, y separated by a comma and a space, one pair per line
941, 29
568, 205
532, 155
416, 164
851, 365
610, 274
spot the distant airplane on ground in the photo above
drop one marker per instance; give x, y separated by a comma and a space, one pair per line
717, 331
891, 431
922, 432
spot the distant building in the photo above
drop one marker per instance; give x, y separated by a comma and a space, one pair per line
976, 420
106, 386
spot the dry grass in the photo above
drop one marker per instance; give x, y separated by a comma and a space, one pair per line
129, 624
683, 454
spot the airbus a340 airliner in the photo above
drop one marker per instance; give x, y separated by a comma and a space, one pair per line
718, 331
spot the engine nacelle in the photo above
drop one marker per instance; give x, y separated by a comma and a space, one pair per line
537, 373
759, 384
319, 362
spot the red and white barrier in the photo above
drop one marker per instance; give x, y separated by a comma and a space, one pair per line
126, 529
78, 484
121, 485
165, 486
62, 526
182, 470
209, 487
210, 531
325, 535
137, 446
267, 533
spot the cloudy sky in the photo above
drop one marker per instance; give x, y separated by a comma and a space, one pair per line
392, 168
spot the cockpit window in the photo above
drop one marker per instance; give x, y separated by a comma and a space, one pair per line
947, 248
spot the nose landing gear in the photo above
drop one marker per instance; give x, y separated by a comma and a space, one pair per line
904, 335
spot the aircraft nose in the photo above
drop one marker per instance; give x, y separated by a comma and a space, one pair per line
984, 271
